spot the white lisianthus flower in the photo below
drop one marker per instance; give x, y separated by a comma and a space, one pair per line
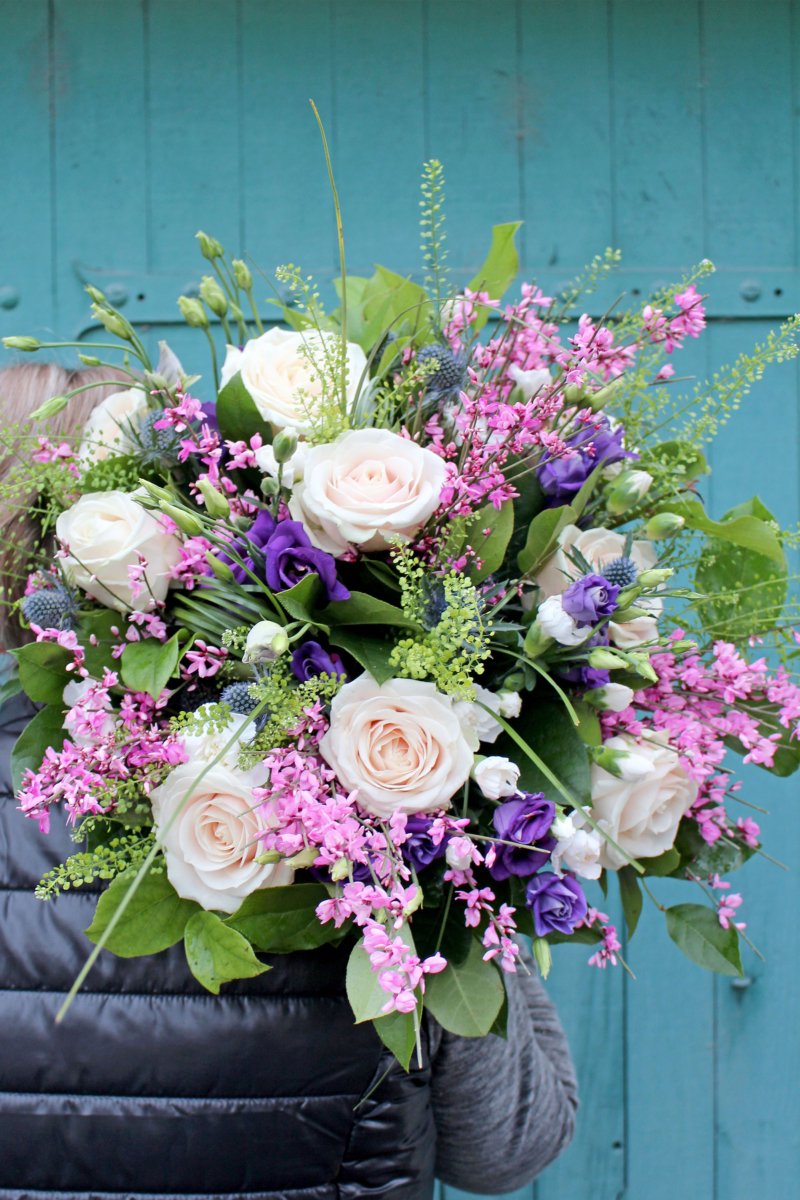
530, 382
555, 623
105, 533
510, 705
478, 725
288, 473
108, 429
366, 489
399, 745
579, 853
641, 813
266, 641
212, 845
281, 371
496, 776
612, 697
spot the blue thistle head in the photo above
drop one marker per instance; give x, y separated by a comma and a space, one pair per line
621, 572
450, 372
49, 607
237, 697
157, 444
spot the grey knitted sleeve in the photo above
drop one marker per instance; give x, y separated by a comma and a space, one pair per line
503, 1109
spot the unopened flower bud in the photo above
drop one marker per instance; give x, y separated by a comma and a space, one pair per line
630, 613
193, 312
113, 322
269, 856
156, 381
655, 577
605, 660
215, 298
220, 568
544, 959
266, 641
156, 492
243, 524
236, 312
342, 867
21, 343
270, 486
185, 521
216, 503
89, 360
209, 246
515, 682
642, 665
50, 408
95, 294
622, 764
306, 858
562, 828
284, 445
627, 490
614, 697
458, 854
241, 273
663, 525
599, 400
536, 641
574, 393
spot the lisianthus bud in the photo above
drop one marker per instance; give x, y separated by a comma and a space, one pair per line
573, 393
630, 613
642, 665
536, 641
241, 273
628, 489
21, 343
600, 399
156, 492
563, 827
544, 959
50, 408
306, 858
95, 294
185, 521
663, 525
215, 298
113, 322
605, 660
193, 312
209, 247
220, 568
236, 312
269, 856
622, 763
266, 641
614, 697
655, 577
341, 868
270, 486
216, 503
89, 360
284, 445
514, 683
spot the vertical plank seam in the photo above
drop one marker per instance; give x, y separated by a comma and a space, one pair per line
625, 1062
51, 113
426, 82
703, 85
240, 127
148, 161
334, 131
794, 108
523, 247
612, 137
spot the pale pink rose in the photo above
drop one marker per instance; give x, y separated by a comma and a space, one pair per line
400, 745
641, 814
366, 488
211, 847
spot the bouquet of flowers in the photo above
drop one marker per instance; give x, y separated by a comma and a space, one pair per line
416, 628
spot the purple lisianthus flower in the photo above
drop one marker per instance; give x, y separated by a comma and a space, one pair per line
290, 556
562, 478
590, 599
250, 548
419, 850
311, 659
526, 820
558, 905
581, 674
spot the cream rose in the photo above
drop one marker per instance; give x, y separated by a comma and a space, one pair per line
366, 488
601, 547
104, 533
212, 845
400, 745
108, 429
641, 814
281, 372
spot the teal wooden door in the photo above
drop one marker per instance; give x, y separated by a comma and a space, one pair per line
668, 128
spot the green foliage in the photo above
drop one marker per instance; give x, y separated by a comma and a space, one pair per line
373, 654
98, 623
432, 233
363, 609
548, 729
216, 954
364, 992
490, 548
115, 473
466, 1000
154, 918
396, 1031
746, 591
662, 864
631, 896
237, 414
745, 530
120, 853
148, 665
699, 860
43, 671
499, 270
282, 919
44, 731
695, 929
219, 607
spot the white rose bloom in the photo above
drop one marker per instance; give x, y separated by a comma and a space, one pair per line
75, 691
212, 845
580, 853
367, 488
288, 473
232, 364
281, 371
496, 776
478, 726
531, 382
108, 429
400, 745
556, 623
104, 533
641, 814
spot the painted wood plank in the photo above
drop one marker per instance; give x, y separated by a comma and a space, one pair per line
26, 266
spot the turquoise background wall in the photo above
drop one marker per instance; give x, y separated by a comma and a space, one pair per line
667, 129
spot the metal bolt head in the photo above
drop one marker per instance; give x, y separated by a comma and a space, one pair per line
9, 297
750, 290
116, 294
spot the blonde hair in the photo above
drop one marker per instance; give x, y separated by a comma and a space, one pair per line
23, 389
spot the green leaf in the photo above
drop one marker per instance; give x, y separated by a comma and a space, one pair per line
299, 600
372, 653
527, 504
589, 729
491, 548
148, 665
457, 938
45, 730
690, 461
364, 992
662, 864
400, 303
631, 896
466, 1000
542, 538
216, 954
11, 687
500, 268
746, 590
99, 658
695, 929
547, 728
282, 919
362, 609
237, 414
396, 1030
579, 937
43, 671
747, 531
154, 919
700, 860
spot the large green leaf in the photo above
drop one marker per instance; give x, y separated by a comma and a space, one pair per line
662, 864
466, 1000
44, 731
542, 538
364, 991
237, 414
299, 600
631, 897
363, 609
372, 653
548, 729
216, 953
746, 590
396, 1031
98, 624
699, 860
490, 547
282, 919
681, 459
147, 666
748, 531
695, 929
400, 303
499, 269
43, 671
153, 920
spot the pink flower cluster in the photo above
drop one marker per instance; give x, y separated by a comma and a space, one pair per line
672, 331
401, 971
610, 944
